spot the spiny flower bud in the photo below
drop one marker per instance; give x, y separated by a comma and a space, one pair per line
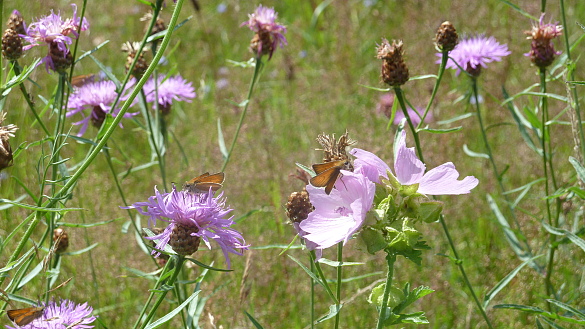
182, 241
16, 23
61, 240
141, 65
446, 38
394, 70
542, 52
298, 206
61, 59
11, 45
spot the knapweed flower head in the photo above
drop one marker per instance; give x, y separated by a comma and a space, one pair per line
269, 33
141, 65
62, 314
473, 53
55, 32
446, 38
5, 150
339, 215
409, 171
11, 39
97, 97
542, 52
394, 69
166, 90
192, 217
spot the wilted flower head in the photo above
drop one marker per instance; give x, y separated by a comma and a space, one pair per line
192, 217
62, 314
394, 70
269, 34
339, 215
172, 88
98, 97
542, 52
446, 38
5, 150
55, 32
409, 170
473, 53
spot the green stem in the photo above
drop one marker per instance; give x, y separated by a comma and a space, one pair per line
153, 133
572, 75
17, 71
339, 277
442, 67
257, 69
312, 294
100, 145
322, 276
390, 260
400, 97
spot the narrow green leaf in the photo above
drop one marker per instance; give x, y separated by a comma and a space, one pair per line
574, 238
441, 131
374, 88
220, 140
333, 310
36, 208
78, 252
205, 266
317, 13
455, 119
504, 282
474, 154
518, 9
162, 34
422, 77
525, 308
86, 225
17, 262
8, 205
254, 322
308, 271
306, 169
87, 53
107, 72
174, 312
337, 264
567, 307
578, 168
551, 323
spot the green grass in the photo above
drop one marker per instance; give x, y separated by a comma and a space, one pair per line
297, 98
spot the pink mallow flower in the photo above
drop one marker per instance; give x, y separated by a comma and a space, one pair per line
409, 170
339, 215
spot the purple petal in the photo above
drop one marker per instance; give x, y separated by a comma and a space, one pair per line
369, 165
409, 169
443, 181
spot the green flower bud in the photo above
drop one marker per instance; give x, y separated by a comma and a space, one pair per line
395, 297
373, 239
430, 211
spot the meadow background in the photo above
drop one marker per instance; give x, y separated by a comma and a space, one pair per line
312, 85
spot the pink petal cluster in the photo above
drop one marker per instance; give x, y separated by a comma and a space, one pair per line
263, 22
442, 180
339, 215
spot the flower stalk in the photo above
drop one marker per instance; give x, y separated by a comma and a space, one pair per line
390, 260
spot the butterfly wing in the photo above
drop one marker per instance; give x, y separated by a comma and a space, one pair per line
204, 182
326, 179
24, 316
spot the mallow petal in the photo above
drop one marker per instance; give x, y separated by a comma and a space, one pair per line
442, 180
369, 165
408, 168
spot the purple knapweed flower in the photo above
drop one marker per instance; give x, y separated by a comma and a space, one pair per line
339, 215
55, 32
409, 170
269, 34
168, 89
473, 53
198, 215
542, 52
97, 97
62, 314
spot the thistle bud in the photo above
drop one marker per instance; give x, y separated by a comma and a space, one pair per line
11, 45
394, 70
182, 241
446, 38
298, 206
61, 240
